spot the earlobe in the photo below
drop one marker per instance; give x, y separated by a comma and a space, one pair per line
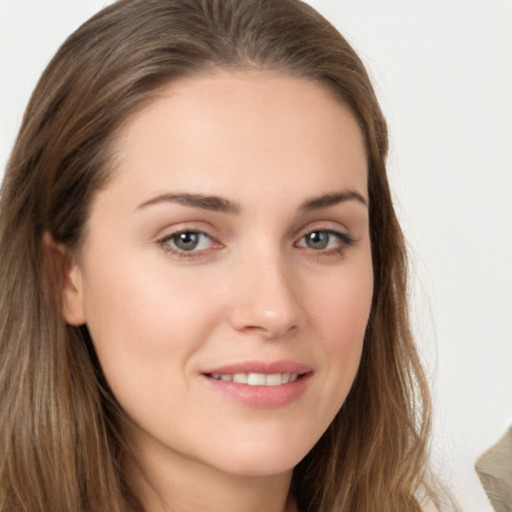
69, 279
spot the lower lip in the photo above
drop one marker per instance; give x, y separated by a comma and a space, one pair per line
264, 397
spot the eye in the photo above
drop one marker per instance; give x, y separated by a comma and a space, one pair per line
186, 241
325, 239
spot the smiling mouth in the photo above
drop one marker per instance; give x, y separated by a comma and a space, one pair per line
257, 379
264, 385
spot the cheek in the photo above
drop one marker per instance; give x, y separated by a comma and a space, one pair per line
343, 310
143, 319
341, 317
147, 326
138, 296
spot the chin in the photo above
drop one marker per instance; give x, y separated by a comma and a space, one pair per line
258, 467
263, 459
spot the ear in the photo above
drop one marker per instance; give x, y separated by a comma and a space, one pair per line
69, 278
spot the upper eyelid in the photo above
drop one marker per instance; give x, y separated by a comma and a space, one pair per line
164, 243
326, 225
181, 231
168, 232
344, 237
166, 238
220, 236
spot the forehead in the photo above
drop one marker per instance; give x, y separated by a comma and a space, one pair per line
241, 128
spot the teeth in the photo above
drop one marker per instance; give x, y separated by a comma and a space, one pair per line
241, 378
274, 379
257, 379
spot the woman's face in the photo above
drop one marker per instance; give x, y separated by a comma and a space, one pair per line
226, 275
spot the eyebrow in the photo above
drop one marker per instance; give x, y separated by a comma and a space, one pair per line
212, 203
327, 200
220, 204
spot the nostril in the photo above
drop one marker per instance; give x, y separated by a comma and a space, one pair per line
269, 332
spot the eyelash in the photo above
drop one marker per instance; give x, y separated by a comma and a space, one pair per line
344, 240
164, 243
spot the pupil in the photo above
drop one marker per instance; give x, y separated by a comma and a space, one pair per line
318, 240
187, 241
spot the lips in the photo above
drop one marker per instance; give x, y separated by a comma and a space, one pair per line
261, 384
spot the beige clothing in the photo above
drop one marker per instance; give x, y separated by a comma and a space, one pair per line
494, 469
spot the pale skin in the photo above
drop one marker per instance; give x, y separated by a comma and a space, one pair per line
233, 231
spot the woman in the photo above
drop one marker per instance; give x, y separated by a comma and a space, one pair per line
203, 278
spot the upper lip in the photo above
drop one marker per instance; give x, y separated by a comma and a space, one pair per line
265, 367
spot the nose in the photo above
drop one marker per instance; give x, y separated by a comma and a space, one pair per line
267, 300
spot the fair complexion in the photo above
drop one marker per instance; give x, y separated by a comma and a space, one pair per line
229, 248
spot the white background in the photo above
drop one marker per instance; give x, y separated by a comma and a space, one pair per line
443, 72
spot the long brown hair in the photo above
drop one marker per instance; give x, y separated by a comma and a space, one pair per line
61, 446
